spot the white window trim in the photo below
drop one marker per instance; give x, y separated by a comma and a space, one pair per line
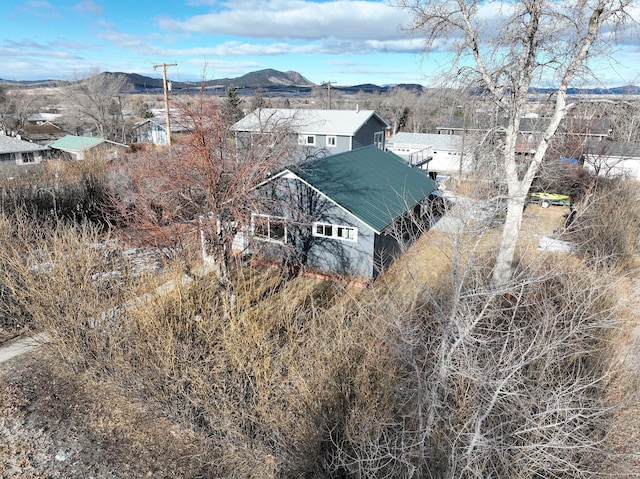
264, 238
303, 140
335, 141
378, 139
334, 229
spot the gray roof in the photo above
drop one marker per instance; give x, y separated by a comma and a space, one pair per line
587, 127
325, 122
9, 144
437, 142
177, 124
616, 149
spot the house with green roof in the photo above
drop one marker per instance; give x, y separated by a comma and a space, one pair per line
86, 147
348, 213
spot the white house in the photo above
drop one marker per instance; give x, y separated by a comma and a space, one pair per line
609, 158
20, 152
441, 153
154, 130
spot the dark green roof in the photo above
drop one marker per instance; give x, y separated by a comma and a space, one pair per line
375, 186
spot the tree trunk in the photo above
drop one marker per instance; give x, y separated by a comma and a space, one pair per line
504, 262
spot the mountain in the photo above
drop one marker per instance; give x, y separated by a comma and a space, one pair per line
265, 79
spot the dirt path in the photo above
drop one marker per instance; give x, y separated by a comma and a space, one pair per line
21, 346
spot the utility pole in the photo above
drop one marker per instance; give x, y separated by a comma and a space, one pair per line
166, 95
328, 85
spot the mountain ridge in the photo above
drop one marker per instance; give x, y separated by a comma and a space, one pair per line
274, 80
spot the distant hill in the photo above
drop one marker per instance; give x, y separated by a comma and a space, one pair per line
274, 82
266, 79
621, 90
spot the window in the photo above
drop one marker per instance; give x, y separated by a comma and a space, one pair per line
308, 140
378, 139
269, 228
326, 230
332, 141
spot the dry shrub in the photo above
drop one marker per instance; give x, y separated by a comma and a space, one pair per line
485, 383
261, 384
606, 228
71, 190
305, 379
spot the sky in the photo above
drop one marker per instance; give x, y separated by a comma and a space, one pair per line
349, 42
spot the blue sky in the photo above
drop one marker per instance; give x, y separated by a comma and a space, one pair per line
344, 41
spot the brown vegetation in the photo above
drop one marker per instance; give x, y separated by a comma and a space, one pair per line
430, 376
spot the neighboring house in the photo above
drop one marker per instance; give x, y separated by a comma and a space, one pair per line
438, 153
531, 131
41, 133
86, 147
320, 132
19, 152
530, 126
612, 158
154, 130
348, 213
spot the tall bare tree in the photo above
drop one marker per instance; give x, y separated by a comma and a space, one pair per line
201, 188
504, 49
15, 107
98, 101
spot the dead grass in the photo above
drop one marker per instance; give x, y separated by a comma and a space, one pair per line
56, 424
288, 365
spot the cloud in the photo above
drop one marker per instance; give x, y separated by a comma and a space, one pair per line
296, 20
30, 49
87, 6
39, 8
330, 47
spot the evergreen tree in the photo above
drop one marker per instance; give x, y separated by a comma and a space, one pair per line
232, 106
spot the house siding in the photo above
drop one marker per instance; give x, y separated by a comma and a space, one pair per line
330, 255
151, 132
364, 136
386, 249
350, 258
343, 143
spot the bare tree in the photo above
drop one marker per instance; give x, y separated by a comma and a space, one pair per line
523, 44
15, 107
200, 189
397, 107
98, 100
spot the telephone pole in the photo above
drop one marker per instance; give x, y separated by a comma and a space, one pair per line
328, 85
166, 95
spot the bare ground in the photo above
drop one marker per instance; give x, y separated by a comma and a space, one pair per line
55, 424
